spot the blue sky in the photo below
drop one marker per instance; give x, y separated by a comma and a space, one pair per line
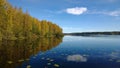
75, 15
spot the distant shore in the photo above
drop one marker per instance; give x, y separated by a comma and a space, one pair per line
93, 33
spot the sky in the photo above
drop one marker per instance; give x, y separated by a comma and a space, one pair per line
75, 15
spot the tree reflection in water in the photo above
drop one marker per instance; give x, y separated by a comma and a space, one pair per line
14, 53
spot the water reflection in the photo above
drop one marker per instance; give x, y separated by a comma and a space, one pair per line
14, 53
77, 58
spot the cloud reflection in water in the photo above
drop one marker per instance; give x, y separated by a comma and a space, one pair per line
76, 58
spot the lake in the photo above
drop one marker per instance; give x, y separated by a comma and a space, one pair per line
69, 52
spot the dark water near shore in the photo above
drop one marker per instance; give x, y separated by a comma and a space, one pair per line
69, 52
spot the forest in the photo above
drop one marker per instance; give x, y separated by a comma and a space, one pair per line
16, 24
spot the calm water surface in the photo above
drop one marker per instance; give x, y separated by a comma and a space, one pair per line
69, 52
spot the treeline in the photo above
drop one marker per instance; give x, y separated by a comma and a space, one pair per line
94, 33
15, 24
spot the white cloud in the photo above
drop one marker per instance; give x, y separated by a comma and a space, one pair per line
76, 10
81, 10
110, 13
114, 13
77, 58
